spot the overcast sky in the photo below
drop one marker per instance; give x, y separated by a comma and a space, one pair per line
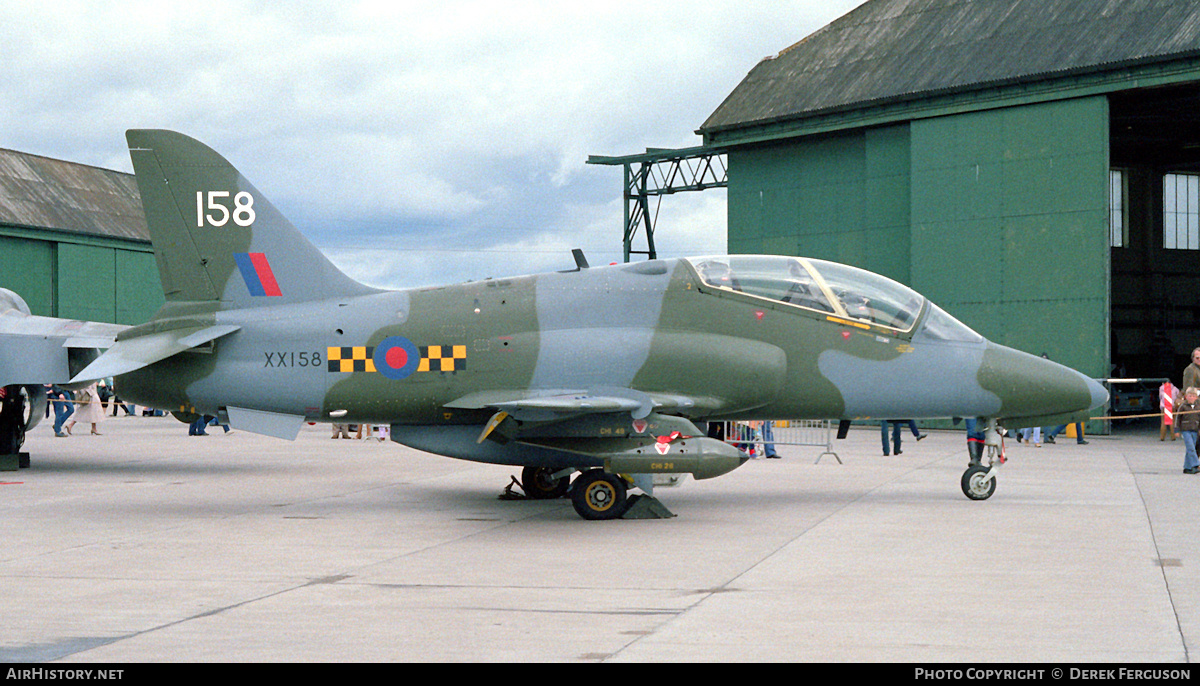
415, 143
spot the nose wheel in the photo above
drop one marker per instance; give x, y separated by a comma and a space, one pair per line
978, 482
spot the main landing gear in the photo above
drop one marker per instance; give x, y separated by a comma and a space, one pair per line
20, 409
595, 494
986, 456
542, 483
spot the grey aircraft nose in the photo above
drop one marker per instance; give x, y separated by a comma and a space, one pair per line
1099, 394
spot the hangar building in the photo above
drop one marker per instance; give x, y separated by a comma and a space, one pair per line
1033, 166
74, 242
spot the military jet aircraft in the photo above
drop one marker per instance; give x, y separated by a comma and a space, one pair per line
608, 373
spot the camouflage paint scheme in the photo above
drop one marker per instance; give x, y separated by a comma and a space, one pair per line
261, 329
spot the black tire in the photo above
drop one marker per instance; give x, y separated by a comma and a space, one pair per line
11, 437
974, 486
598, 495
13, 411
538, 484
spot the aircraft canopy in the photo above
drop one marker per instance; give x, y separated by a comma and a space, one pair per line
818, 285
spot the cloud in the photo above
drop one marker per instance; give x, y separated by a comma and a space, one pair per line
431, 129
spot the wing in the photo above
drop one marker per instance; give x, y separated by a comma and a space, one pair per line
38, 350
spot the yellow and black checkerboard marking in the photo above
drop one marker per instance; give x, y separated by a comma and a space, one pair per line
360, 358
357, 358
443, 358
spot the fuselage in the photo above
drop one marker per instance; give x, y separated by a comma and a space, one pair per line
737, 349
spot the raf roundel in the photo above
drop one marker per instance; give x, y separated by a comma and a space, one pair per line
396, 357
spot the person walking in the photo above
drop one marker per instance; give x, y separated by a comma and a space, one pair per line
1063, 427
64, 407
88, 409
897, 427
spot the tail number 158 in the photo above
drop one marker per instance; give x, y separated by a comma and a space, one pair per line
219, 214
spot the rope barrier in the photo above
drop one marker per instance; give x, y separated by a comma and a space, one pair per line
1141, 416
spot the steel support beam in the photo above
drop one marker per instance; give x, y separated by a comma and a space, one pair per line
661, 172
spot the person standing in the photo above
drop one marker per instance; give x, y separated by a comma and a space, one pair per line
1191, 373
197, 428
883, 433
1031, 432
200, 426
768, 436
975, 442
1187, 422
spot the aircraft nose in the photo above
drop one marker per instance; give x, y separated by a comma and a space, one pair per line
1099, 394
1031, 386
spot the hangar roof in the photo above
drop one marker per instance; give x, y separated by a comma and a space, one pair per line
889, 51
44, 193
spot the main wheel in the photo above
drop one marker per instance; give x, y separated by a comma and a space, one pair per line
597, 494
975, 486
539, 483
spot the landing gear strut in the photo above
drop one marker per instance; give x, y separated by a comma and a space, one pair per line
543, 483
19, 412
979, 481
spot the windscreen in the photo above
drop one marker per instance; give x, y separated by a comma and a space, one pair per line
867, 296
941, 326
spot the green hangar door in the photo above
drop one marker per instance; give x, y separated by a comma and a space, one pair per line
1009, 225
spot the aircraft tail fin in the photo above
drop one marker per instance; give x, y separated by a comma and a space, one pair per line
216, 237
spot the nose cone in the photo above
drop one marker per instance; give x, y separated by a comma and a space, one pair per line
1030, 386
1099, 394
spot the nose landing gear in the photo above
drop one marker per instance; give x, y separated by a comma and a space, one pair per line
979, 481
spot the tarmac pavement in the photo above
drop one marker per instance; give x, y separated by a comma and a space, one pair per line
147, 545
